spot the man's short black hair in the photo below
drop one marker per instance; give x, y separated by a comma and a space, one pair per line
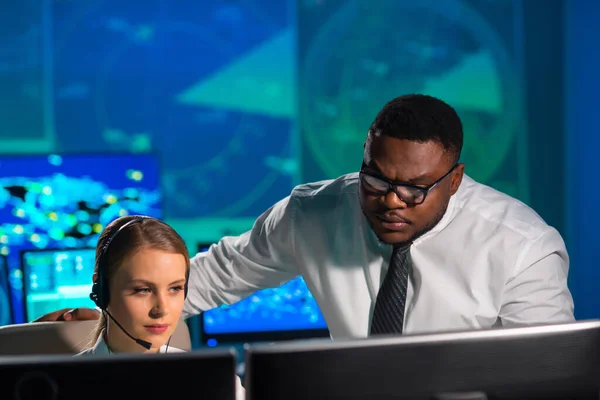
421, 118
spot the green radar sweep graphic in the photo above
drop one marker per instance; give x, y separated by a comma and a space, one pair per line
442, 48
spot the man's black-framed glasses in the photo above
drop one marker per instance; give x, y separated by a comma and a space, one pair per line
409, 194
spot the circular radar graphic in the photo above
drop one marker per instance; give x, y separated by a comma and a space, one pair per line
158, 85
358, 60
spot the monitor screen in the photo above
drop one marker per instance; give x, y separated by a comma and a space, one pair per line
128, 376
63, 201
537, 362
55, 279
286, 312
5, 307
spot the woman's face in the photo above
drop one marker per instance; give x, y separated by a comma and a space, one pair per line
146, 298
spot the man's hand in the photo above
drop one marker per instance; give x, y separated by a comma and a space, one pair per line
70, 314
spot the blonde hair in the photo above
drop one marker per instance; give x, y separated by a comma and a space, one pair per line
147, 233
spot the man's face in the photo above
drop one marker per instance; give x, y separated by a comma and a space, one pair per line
412, 163
146, 297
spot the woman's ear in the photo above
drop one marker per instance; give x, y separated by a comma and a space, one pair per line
95, 277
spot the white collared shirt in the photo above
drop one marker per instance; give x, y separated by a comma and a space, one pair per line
491, 261
101, 348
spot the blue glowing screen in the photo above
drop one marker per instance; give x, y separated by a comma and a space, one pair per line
290, 307
56, 279
64, 202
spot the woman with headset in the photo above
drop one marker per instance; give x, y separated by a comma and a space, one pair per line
140, 280
140, 284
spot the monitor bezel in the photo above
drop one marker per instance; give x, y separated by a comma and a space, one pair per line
298, 356
144, 368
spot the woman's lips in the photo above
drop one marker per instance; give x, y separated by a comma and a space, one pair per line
157, 328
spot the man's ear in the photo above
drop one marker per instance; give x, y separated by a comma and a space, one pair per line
456, 178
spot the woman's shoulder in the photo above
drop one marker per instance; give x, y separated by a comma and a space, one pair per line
98, 349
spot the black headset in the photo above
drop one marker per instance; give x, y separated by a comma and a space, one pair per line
100, 289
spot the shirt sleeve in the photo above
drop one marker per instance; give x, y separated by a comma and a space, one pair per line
537, 293
236, 267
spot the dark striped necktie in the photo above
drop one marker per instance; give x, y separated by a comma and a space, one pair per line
388, 316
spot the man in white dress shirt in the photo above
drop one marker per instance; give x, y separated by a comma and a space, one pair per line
477, 258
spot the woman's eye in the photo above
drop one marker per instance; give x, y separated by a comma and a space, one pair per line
176, 288
142, 290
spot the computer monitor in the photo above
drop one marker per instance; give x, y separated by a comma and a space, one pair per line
56, 279
5, 302
283, 313
50, 201
543, 362
210, 374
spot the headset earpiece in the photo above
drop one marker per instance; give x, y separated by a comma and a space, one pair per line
100, 294
94, 296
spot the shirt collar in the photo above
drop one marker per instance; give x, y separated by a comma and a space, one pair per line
446, 219
101, 347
